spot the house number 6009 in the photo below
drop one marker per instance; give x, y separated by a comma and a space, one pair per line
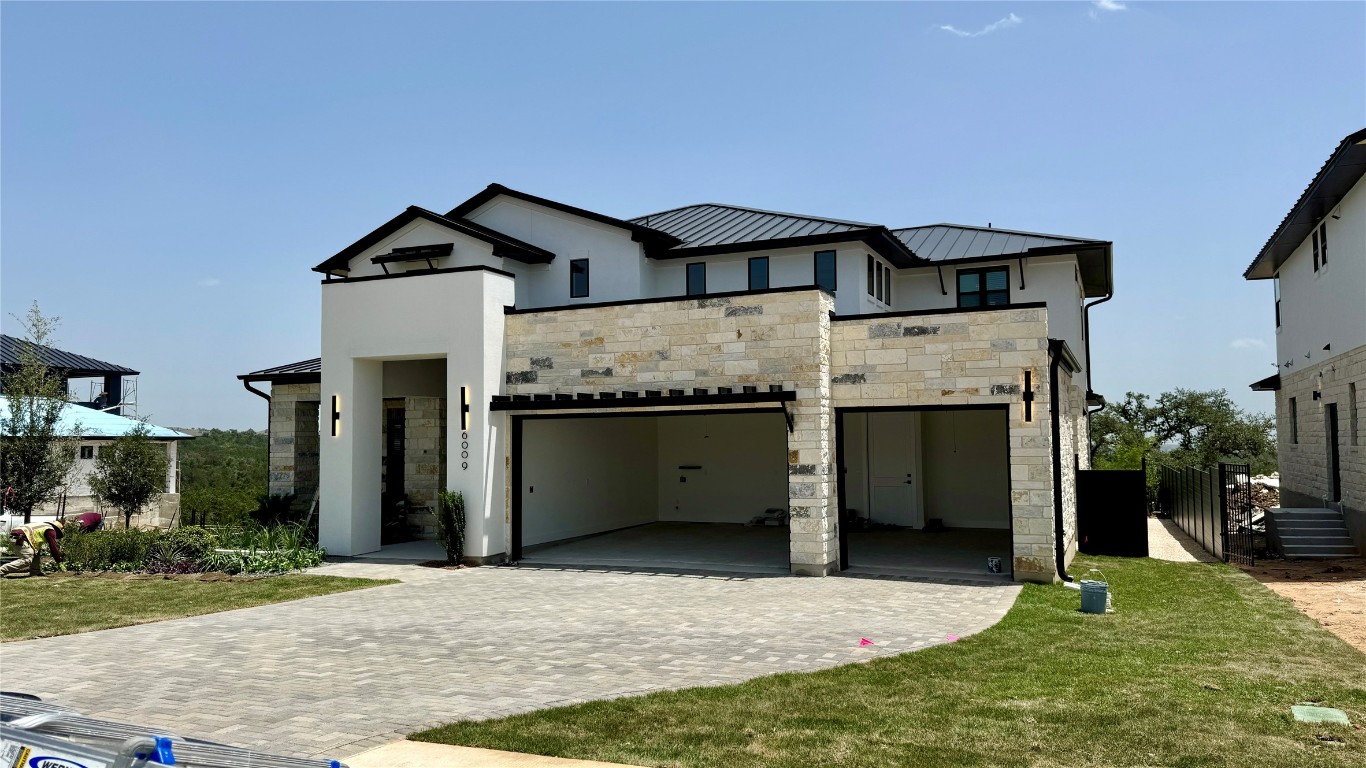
464, 452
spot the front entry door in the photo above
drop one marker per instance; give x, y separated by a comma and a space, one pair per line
1330, 435
893, 462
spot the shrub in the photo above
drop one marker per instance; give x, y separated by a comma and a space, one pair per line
118, 549
450, 524
191, 541
267, 561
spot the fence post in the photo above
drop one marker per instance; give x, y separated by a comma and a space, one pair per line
1223, 508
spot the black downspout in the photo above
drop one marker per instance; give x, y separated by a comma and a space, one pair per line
1059, 545
1086, 327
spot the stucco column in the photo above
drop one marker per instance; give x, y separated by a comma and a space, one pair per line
350, 455
812, 493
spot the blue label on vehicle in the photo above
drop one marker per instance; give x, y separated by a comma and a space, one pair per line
44, 761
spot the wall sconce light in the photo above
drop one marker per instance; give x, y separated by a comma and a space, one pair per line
464, 409
1028, 396
336, 414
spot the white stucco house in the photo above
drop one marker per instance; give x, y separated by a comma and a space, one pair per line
1316, 261
637, 390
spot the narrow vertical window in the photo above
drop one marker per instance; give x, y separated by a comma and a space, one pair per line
878, 294
1323, 243
872, 265
887, 285
825, 271
1294, 422
697, 278
1316, 250
758, 273
578, 278
1276, 288
1352, 426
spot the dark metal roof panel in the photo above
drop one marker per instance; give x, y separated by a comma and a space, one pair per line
941, 242
301, 369
714, 224
11, 347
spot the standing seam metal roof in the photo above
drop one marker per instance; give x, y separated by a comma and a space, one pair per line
943, 242
11, 348
716, 224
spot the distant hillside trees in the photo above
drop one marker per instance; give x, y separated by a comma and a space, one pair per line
223, 475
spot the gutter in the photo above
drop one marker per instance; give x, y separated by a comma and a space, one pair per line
1086, 328
1056, 350
254, 390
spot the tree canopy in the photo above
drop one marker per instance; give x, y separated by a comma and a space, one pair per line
130, 472
1181, 428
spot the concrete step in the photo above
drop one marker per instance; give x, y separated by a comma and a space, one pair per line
1328, 538
1310, 551
1293, 513
1295, 523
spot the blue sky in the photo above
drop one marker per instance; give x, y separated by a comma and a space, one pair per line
170, 172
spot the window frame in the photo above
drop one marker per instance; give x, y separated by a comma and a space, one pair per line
872, 265
1353, 423
1323, 242
1294, 422
982, 291
878, 282
688, 278
834, 270
1314, 236
750, 273
587, 284
1276, 291
87, 452
887, 285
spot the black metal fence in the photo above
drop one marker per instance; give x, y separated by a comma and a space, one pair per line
1214, 506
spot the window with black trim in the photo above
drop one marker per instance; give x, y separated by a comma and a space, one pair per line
872, 265
578, 278
697, 278
878, 294
1323, 243
1316, 249
825, 271
87, 451
1353, 428
887, 284
758, 273
1294, 422
986, 287
1276, 289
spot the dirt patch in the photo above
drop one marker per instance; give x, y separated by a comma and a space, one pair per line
1333, 592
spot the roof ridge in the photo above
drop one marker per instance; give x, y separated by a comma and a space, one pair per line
1023, 232
825, 219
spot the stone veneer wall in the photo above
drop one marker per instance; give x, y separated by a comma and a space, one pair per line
1304, 465
966, 359
779, 337
424, 459
294, 436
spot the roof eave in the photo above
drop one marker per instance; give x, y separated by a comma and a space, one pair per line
503, 245
878, 238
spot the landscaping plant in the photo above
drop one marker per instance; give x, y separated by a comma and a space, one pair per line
450, 524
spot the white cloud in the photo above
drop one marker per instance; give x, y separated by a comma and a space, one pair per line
1247, 343
210, 282
1010, 21
1110, 5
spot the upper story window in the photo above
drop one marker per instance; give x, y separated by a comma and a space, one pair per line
578, 278
987, 287
1276, 289
887, 284
697, 278
1321, 245
758, 273
879, 280
825, 271
872, 279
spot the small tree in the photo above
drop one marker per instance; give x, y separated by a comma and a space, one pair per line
450, 524
37, 452
130, 472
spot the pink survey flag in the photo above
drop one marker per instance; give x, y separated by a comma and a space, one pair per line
862, 641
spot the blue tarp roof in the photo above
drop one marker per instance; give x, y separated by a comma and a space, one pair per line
98, 425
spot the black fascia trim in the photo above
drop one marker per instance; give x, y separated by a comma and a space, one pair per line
958, 407
638, 413
283, 378
1271, 383
1101, 248
1065, 355
945, 311
639, 232
880, 239
418, 273
741, 398
663, 299
503, 245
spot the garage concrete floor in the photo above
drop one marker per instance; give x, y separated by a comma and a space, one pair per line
724, 547
953, 553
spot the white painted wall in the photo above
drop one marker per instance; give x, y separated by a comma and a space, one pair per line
468, 251
1049, 279
614, 259
855, 478
1327, 307
78, 481
966, 468
743, 460
585, 476
455, 316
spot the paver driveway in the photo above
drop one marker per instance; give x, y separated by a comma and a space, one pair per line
332, 675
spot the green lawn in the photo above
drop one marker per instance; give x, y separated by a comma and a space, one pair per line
1199, 667
64, 605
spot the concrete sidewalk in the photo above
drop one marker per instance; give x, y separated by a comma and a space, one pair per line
418, 754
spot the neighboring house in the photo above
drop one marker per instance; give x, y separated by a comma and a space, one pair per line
904, 397
1317, 261
96, 415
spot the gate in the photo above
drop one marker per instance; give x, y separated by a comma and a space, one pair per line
1112, 512
1213, 506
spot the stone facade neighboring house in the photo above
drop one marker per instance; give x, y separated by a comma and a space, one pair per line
573, 374
1316, 260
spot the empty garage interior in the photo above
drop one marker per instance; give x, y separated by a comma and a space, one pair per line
926, 491
657, 491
